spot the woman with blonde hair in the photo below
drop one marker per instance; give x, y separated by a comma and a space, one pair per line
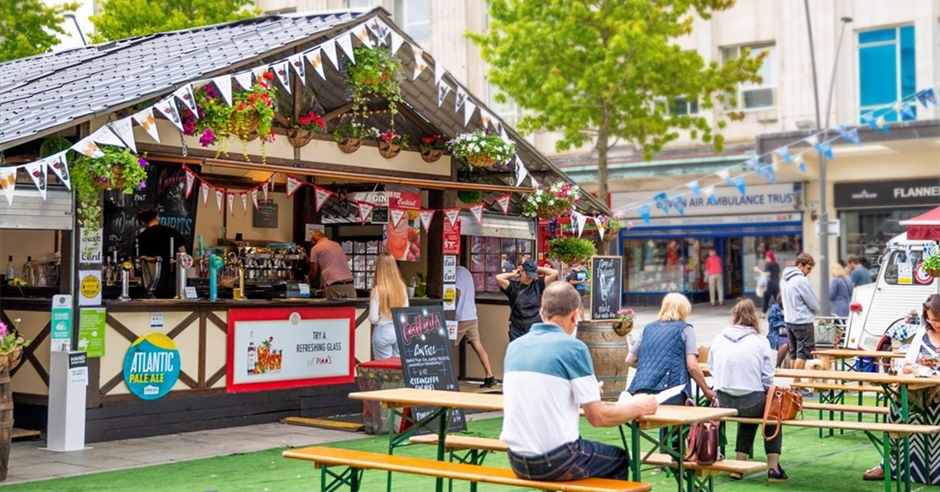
666, 354
840, 290
388, 292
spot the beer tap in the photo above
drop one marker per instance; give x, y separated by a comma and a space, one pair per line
183, 263
125, 281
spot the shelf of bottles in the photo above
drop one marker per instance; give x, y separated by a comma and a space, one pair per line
41, 272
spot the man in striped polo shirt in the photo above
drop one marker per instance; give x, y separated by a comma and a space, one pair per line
548, 375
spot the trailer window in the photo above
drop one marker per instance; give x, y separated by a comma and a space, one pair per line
896, 265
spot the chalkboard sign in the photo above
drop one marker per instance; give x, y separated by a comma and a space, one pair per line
379, 215
606, 286
426, 358
166, 190
265, 216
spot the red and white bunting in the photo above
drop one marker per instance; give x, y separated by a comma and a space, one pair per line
125, 131
425, 217
397, 215
244, 80
320, 197
315, 57
254, 198
147, 122
37, 172
461, 98
168, 110
185, 94
88, 147
244, 196
503, 202
105, 136
8, 183
218, 199
224, 85
230, 199
451, 214
190, 181
264, 188
59, 166
365, 210
477, 211
205, 193
345, 43
293, 184
442, 90
420, 64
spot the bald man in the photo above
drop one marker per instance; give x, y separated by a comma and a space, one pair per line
328, 262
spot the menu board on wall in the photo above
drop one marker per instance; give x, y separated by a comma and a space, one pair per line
265, 216
426, 358
166, 190
606, 286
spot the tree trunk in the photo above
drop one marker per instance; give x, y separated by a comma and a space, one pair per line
603, 141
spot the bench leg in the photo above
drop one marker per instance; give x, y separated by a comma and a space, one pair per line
350, 476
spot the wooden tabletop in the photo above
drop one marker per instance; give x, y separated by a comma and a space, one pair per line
848, 354
860, 377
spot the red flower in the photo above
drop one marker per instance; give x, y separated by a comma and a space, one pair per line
262, 84
267, 76
241, 107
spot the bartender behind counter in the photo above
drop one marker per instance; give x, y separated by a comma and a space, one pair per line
328, 262
154, 241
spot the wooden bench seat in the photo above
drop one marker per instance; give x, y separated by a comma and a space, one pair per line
459, 443
322, 456
834, 407
899, 429
838, 387
721, 466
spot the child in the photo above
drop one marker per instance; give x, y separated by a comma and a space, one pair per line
777, 334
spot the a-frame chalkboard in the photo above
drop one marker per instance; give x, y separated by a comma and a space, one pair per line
606, 286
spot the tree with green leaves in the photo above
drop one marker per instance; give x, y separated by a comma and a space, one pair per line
29, 27
127, 18
600, 70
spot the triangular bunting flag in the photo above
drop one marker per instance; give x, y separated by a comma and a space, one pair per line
223, 84
752, 164
477, 211
581, 220
397, 214
315, 58
264, 189
451, 214
420, 64
125, 131
695, 189
329, 48
600, 230
204, 187
190, 181
644, 211
297, 63
486, 117
882, 125
258, 72
927, 97
37, 172
244, 197
185, 94
293, 184
320, 196
8, 183
219, 195
254, 198
425, 217
442, 90
362, 34
281, 71
468, 109
841, 129
59, 166
345, 43
662, 202
678, 203
365, 210
439, 72
378, 28
710, 193
230, 199
869, 119
521, 171
798, 160
739, 182
812, 140
168, 110
88, 147
105, 136
461, 98
903, 109
145, 120
397, 41
852, 136
503, 202
725, 175
826, 149
784, 154
244, 80
768, 173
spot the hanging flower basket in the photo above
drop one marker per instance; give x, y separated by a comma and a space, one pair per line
432, 148
12, 360
623, 328
244, 125
114, 182
301, 132
376, 74
118, 169
931, 265
482, 148
933, 273
546, 211
299, 138
389, 151
391, 143
431, 155
481, 160
350, 145
551, 202
350, 134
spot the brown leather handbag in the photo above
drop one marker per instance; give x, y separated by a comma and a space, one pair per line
702, 443
782, 404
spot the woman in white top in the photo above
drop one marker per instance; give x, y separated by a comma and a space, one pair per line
388, 292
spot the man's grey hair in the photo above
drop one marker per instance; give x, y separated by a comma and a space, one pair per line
560, 299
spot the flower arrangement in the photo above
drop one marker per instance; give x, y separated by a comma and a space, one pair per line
931, 265
117, 169
376, 73
301, 132
469, 197
482, 148
250, 116
350, 133
10, 340
391, 143
557, 200
571, 249
626, 315
432, 147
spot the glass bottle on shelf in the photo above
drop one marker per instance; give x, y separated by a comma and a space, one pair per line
252, 353
11, 271
28, 274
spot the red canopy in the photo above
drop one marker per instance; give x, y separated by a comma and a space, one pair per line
924, 227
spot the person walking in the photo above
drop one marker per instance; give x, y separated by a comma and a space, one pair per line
388, 292
523, 286
468, 325
577, 277
742, 367
859, 274
800, 305
772, 271
548, 376
714, 269
840, 290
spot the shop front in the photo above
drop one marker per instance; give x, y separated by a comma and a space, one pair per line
668, 254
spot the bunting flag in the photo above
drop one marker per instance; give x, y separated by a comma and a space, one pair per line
812, 140
678, 202
244, 80
378, 28
37, 172
230, 199
442, 90
345, 43
362, 34
852, 136
169, 111
258, 72
283, 76
826, 149
662, 202
420, 64
205, 193
254, 199
927, 97
329, 48
600, 229
725, 175
468, 109
223, 84
461, 98
799, 161
752, 164
521, 171
264, 189
365, 210
739, 182
88, 147
315, 58
297, 63
320, 196
190, 181
145, 120
784, 154
8, 183
124, 129
869, 119
105, 136
397, 41
535, 184
439, 72
425, 217
695, 189
451, 214
581, 220
644, 212
244, 197
477, 212
903, 109
882, 125
503, 202
768, 173
219, 195
58, 164
293, 184
486, 117
709, 192
185, 94
397, 214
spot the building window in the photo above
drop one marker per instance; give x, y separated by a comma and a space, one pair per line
886, 70
358, 4
508, 111
756, 96
678, 107
487, 255
414, 16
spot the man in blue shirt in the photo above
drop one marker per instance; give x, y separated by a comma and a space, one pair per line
577, 277
858, 273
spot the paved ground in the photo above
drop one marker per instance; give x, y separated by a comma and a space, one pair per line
707, 320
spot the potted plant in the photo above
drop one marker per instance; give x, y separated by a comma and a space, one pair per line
931, 265
301, 132
376, 73
571, 249
11, 350
391, 143
250, 116
53, 145
624, 322
117, 169
482, 148
548, 202
469, 197
432, 148
349, 135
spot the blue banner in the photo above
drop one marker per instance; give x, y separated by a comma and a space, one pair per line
644, 212
852, 136
927, 97
768, 173
752, 164
710, 193
869, 119
739, 182
662, 202
678, 203
799, 161
784, 154
825, 148
695, 189
904, 110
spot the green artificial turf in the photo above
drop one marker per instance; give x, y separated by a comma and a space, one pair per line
831, 464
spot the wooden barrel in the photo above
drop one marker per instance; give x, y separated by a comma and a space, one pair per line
6, 415
609, 353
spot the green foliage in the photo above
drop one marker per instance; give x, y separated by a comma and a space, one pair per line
350, 128
10, 339
30, 27
251, 112
126, 18
53, 145
552, 202
932, 263
119, 168
570, 249
376, 73
594, 69
469, 197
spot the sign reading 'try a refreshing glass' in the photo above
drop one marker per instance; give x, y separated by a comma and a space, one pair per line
151, 366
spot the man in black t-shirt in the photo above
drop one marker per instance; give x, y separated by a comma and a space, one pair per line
154, 242
524, 289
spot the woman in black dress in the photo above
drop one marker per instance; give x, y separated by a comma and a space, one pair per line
772, 271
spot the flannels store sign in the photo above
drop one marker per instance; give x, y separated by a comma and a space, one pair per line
908, 192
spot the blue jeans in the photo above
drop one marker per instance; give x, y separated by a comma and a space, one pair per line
573, 461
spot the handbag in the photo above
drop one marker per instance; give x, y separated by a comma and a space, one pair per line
782, 404
702, 444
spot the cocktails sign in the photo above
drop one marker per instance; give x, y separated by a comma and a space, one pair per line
151, 366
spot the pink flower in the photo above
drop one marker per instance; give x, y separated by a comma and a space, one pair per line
207, 138
3, 329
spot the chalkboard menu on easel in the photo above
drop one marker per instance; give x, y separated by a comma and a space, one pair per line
265, 216
606, 286
426, 357
165, 190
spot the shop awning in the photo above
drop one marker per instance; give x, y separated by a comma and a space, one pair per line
924, 227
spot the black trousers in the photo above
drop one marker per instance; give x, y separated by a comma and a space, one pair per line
751, 405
